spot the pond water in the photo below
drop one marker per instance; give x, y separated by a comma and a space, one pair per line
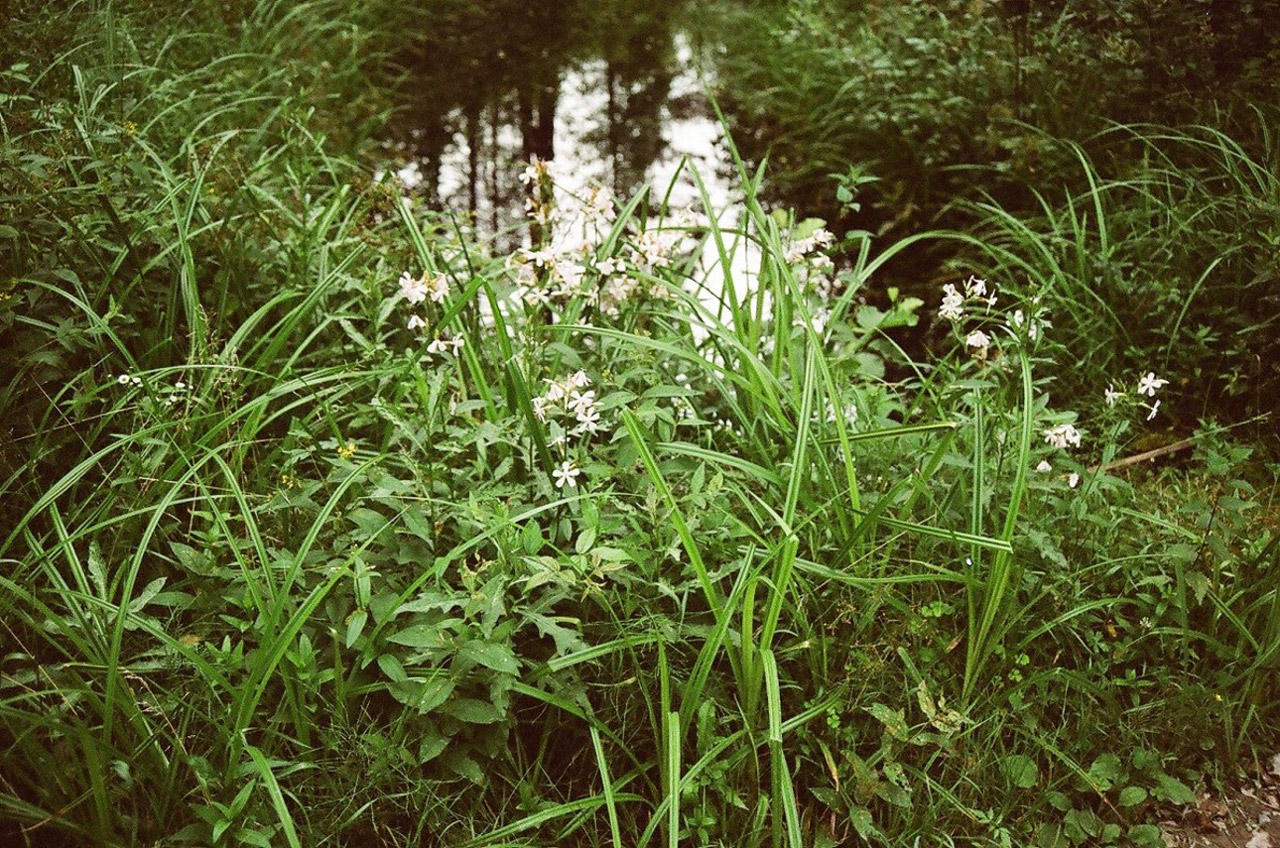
612, 92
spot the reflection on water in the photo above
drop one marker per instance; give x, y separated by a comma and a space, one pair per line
609, 90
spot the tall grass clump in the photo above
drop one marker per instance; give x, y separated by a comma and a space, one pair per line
328, 524
1168, 265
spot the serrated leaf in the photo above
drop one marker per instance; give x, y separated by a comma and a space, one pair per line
148, 592
465, 766
430, 747
1199, 584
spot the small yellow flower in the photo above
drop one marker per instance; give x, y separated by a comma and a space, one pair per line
130, 128
348, 450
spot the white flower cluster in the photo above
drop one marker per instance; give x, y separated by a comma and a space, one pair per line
652, 249
818, 320
177, 393
1032, 325
569, 397
975, 291
434, 288
1148, 385
417, 289
445, 344
1062, 436
536, 171
548, 274
800, 249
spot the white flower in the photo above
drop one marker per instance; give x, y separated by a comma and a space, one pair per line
588, 422
1073, 479
437, 345
579, 380
978, 339
1155, 407
555, 390
536, 169
457, 342
536, 297
416, 322
1044, 466
124, 379
1112, 395
566, 474
582, 401
952, 303
1149, 384
413, 289
1062, 436
540, 258
437, 288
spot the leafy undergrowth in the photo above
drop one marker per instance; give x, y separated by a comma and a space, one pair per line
330, 527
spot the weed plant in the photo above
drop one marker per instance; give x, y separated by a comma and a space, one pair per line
327, 525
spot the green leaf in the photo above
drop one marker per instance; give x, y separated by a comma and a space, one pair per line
862, 822
585, 540
1146, 836
423, 695
1172, 791
1059, 801
355, 624
474, 711
1131, 796
1021, 771
531, 538
894, 721
420, 636
392, 668
1105, 771
490, 655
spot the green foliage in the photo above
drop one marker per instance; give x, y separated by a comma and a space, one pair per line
661, 540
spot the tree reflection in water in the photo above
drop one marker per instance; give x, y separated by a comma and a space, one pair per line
490, 84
